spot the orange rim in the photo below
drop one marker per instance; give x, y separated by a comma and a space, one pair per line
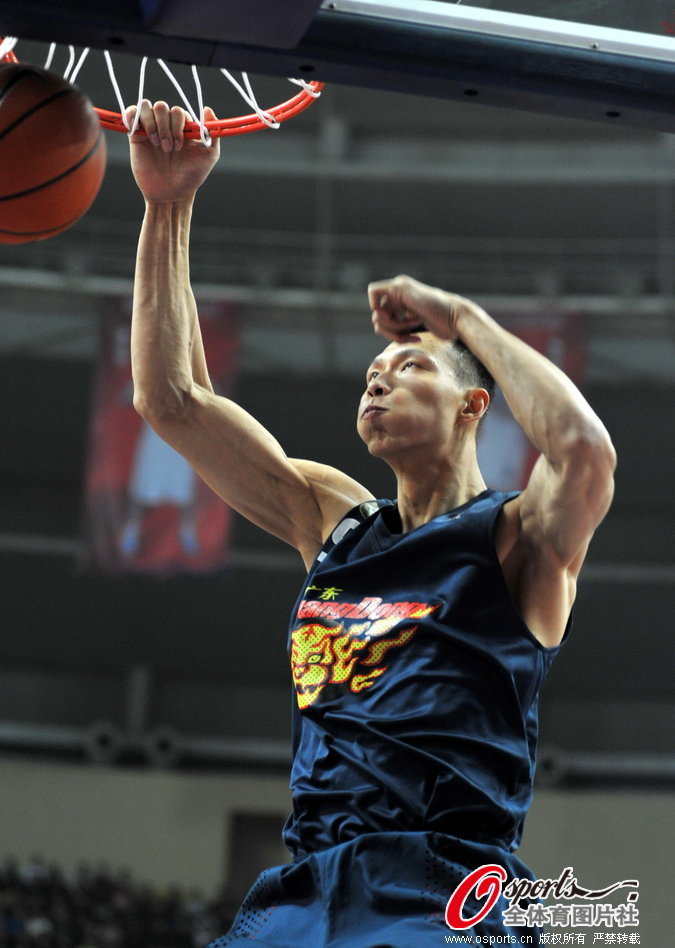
240, 125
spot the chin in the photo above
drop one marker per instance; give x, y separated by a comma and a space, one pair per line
381, 448
375, 445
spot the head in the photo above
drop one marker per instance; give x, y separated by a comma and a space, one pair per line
469, 372
426, 393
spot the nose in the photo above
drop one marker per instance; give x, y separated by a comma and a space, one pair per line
378, 385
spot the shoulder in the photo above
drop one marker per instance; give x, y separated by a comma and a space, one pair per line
335, 494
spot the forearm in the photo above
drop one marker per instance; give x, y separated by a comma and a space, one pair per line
546, 404
166, 349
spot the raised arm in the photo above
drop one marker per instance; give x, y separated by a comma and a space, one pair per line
298, 501
545, 533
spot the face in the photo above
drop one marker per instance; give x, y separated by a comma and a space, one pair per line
411, 399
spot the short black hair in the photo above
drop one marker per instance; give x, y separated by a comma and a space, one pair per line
469, 371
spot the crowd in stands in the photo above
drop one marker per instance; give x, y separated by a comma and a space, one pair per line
41, 908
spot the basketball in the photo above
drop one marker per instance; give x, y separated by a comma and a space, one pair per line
52, 154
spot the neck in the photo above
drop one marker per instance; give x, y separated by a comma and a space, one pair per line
426, 490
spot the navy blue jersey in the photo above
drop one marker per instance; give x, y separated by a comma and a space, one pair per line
416, 684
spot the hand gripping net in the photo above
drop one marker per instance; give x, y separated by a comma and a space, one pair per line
197, 126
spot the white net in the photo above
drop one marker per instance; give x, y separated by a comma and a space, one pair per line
258, 118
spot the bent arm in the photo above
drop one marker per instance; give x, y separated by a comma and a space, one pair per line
543, 538
571, 485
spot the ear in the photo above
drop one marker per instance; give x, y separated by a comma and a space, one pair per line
475, 406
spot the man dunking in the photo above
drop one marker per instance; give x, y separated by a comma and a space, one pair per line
426, 625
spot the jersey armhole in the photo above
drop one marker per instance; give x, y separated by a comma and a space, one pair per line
353, 518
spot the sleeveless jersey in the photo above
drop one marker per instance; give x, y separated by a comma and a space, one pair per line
416, 684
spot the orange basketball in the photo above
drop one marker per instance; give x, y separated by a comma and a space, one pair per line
52, 154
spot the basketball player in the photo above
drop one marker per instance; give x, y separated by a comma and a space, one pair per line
426, 625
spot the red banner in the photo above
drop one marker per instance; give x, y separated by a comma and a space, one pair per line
505, 455
146, 510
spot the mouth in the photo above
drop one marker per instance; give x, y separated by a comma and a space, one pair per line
372, 410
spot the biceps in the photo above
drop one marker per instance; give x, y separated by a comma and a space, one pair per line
562, 505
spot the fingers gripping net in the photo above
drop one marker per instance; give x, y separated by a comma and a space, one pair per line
197, 126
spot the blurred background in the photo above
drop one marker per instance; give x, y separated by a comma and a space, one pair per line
144, 704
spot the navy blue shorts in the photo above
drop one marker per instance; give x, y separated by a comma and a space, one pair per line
380, 890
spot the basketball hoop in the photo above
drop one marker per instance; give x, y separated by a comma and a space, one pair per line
196, 126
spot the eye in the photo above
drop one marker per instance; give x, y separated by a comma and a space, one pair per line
373, 375
409, 363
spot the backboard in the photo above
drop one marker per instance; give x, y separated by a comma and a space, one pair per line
607, 60
643, 16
